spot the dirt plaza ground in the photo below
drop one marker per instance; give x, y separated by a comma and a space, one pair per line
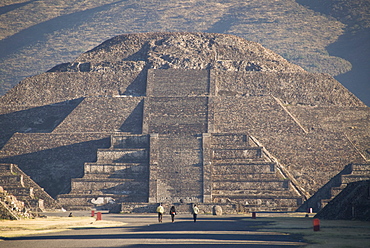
143, 230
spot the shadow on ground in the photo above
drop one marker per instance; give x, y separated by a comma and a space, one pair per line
206, 232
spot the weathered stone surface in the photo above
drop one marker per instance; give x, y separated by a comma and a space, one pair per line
183, 117
217, 210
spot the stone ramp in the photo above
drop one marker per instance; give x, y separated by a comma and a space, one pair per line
178, 169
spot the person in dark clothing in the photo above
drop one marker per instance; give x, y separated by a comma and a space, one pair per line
173, 213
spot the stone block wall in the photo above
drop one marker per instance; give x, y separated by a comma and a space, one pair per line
105, 114
352, 203
298, 88
133, 141
328, 154
173, 82
104, 186
230, 140
54, 87
51, 160
353, 122
124, 170
179, 171
235, 154
32, 119
122, 155
167, 115
252, 114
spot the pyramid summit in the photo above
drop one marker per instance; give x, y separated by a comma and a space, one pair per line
185, 118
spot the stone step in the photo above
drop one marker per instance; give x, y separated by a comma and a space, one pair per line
15, 180
88, 201
19, 191
102, 180
252, 168
83, 200
129, 141
122, 155
108, 185
229, 140
237, 177
239, 161
249, 185
247, 153
334, 191
253, 193
360, 169
265, 201
354, 178
137, 175
5, 168
252, 208
115, 168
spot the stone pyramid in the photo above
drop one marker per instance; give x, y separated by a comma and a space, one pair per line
185, 118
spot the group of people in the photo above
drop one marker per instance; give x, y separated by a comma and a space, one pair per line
160, 211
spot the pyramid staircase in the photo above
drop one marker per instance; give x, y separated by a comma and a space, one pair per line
119, 175
11, 208
357, 172
241, 174
18, 184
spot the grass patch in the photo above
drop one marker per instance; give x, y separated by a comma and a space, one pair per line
333, 233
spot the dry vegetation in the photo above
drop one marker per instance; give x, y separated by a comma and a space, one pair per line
332, 234
36, 35
11, 228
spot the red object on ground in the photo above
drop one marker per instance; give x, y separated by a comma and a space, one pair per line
92, 213
253, 215
98, 216
316, 225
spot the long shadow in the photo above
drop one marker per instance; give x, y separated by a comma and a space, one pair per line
199, 232
354, 48
131, 124
224, 24
7, 8
35, 120
54, 168
38, 32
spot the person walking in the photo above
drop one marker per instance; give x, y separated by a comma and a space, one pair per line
160, 211
195, 212
173, 213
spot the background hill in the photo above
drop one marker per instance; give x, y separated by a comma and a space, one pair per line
329, 36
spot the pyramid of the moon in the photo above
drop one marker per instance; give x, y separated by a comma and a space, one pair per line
185, 117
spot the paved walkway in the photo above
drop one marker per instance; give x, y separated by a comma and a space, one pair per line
144, 231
